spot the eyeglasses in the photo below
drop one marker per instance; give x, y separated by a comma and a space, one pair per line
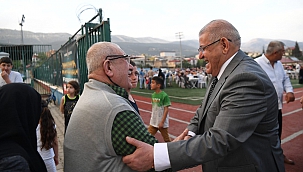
114, 57
202, 49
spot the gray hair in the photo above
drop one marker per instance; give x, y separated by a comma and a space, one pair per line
97, 53
274, 46
221, 28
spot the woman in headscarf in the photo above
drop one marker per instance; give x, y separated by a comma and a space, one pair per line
20, 109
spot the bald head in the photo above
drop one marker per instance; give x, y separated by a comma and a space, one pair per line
217, 29
97, 53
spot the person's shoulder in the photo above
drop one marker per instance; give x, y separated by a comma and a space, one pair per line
279, 62
15, 73
164, 93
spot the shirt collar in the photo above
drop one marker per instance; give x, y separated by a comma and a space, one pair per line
119, 91
266, 59
225, 65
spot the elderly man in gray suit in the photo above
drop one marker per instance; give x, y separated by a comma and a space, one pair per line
236, 127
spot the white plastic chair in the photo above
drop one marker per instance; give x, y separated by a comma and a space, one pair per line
202, 81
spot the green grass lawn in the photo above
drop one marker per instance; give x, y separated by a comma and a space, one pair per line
186, 96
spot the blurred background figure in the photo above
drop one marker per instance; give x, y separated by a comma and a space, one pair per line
133, 76
301, 75
271, 64
141, 78
20, 113
150, 75
69, 101
47, 143
162, 75
7, 75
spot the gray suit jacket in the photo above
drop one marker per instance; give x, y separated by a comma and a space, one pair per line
237, 129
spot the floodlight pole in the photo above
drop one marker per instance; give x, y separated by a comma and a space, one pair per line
179, 35
22, 48
21, 24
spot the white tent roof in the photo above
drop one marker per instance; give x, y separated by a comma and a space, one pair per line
4, 54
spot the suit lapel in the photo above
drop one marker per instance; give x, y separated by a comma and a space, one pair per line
206, 93
228, 70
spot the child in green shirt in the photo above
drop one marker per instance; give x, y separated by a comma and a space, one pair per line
160, 104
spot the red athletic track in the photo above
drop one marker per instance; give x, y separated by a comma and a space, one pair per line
292, 134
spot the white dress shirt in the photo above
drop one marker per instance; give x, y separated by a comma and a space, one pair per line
13, 76
161, 157
277, 76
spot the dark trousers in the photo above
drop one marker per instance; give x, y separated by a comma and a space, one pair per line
280, 122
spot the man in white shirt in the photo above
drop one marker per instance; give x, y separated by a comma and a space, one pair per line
270, 63
7, 75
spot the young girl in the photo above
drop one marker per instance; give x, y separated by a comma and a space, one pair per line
47, 144
69, 101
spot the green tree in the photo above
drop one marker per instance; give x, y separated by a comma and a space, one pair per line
296, 51
185, 64
42, 58
201, 63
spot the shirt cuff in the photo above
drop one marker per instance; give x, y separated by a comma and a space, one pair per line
161, 158
190, 133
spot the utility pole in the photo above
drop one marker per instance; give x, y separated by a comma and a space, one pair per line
21, 24
179, 36
22, 42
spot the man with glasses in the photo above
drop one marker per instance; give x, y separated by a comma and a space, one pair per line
103, 116
271, 64
235, 128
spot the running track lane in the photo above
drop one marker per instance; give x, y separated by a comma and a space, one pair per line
292, 134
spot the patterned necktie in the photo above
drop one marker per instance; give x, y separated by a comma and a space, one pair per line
213, 84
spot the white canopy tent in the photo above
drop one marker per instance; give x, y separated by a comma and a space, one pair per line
4, 54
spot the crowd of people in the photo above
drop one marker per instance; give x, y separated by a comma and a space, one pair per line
182, 78
237, 127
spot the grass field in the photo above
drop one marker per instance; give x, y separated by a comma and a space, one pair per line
186, 96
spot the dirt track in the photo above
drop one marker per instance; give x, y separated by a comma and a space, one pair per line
292, 134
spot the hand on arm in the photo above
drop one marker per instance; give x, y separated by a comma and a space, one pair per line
143, 158
182, 136
127, 123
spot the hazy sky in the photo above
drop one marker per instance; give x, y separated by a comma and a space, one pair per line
273, 19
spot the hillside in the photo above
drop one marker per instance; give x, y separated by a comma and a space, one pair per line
133, 46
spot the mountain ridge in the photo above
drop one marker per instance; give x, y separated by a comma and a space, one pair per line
131, 45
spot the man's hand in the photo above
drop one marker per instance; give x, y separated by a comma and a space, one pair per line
143, 158
5, 76
161, 124
56, 160
289, 97
182, 136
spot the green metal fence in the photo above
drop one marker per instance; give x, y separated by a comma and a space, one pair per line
43, 67
24, 57
89, 33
